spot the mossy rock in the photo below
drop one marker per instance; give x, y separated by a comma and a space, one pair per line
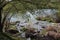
23, 29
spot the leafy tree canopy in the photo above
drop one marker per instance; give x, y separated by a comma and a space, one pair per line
23, 5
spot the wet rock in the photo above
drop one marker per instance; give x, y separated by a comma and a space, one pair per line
12, 31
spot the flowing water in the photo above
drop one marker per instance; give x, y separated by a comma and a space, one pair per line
29, 19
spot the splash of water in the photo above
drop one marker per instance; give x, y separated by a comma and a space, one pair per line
32, 22
32, 18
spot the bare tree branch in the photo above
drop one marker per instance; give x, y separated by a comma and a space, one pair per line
7, 14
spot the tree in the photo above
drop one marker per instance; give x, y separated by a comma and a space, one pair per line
3, 3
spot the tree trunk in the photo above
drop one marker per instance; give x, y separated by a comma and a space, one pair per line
1, 25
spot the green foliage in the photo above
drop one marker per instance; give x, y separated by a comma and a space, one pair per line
30, 6
49, 19
23, 5
7, 7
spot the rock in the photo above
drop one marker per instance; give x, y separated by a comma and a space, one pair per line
12, 31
